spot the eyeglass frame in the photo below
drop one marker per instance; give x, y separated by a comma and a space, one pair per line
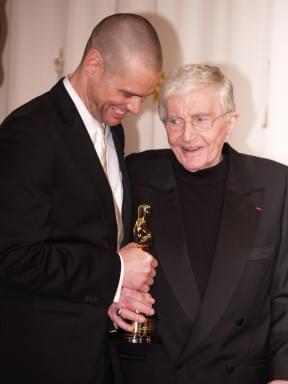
200, 129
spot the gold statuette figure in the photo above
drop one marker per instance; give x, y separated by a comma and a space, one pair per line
142, 332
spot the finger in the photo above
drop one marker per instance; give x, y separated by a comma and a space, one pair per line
134, 298
112, 312
118, 320
135, 306
126, 326
154, 263
138, 307
147, 299
145, 310
149, 281
153, 273
132, 315
145, 288
123, 324
113, 309
135, 294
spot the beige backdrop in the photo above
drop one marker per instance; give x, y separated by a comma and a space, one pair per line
247, 38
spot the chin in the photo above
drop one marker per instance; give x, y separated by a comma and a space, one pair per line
191, 168
113, 121
194, 170
112, 124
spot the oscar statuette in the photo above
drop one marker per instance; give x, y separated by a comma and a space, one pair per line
142, 333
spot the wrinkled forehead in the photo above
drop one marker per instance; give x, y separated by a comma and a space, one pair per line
201, 100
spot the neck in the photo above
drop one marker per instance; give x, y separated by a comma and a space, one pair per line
79, 81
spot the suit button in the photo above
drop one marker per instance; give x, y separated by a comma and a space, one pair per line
230, 368
178, 366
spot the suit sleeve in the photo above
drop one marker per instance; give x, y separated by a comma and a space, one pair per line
278, 340
32, 259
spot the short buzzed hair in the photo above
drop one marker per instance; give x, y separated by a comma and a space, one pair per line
121, 37
191, 77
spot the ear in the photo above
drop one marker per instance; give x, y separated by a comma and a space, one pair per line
231, 121
93, 62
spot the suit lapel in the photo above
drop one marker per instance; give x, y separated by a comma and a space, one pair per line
169, 243
77, 140
237, 234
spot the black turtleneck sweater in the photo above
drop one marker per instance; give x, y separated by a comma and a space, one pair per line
201, 196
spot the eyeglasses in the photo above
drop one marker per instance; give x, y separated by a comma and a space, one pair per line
200, 122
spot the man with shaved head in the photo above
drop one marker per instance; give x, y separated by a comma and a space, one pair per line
65, 212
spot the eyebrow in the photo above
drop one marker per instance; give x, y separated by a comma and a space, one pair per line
197, 114
127, 93
131, 94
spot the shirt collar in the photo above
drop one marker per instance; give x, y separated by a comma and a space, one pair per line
89, 121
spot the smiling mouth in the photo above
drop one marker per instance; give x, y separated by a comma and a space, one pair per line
118, 111
191, 150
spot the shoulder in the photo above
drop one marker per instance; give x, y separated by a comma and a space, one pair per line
26, 109
148, 167
261, 169
148, 158
263, 163
36, 112
43, 107
148, 162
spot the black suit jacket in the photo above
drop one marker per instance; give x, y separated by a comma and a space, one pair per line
239, 332
58, 263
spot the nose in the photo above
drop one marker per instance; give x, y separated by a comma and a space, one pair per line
189, 132
134, 104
